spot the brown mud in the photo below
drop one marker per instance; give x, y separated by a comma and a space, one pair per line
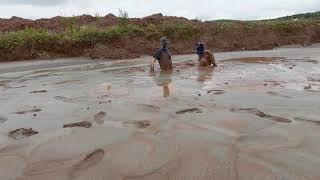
83, 124
29, 111
277, 94
264, 60
191, 110
317, 122
139, 124
149, 108
40, 91
22, 133
216, 92
90, 160
99, 117
262, 114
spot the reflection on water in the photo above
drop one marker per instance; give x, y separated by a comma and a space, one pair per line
164, 79
205, 74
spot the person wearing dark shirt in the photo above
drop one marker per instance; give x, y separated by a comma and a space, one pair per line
200, 50
163, 56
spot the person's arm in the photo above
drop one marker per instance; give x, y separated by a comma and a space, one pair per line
152, 61
214, 63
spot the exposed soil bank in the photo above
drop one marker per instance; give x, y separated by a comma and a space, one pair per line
138, 37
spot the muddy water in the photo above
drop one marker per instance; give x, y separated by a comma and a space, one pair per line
254, 117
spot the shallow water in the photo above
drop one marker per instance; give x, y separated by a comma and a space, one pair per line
244, 120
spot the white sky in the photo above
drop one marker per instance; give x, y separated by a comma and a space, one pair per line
202, 9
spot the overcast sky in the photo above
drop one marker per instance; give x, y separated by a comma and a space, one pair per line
201, 9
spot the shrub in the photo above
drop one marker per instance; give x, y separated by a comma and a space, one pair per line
123, 18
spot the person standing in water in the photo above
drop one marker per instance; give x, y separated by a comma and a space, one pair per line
205, 57
163, 56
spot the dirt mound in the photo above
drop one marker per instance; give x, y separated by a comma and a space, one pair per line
129, 38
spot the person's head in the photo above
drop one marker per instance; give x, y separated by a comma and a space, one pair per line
200, 45
163, 42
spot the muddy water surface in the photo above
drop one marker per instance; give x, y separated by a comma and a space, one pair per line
256, 116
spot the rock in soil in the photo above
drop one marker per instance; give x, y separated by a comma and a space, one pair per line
22, 133
84, 124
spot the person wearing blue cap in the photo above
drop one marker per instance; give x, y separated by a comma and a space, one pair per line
205, 57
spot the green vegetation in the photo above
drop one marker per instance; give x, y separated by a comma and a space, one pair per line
315, 15
89, 36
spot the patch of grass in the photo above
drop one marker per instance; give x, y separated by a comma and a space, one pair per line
181, 31
283, 27
314, 15
223, 26
68, 22
89, 36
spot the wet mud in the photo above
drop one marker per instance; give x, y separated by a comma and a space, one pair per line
138, 124
65, 82
40, 91
261, 114
316, 122
148, 108
263, 60
278, 95
228, 123
190, 110
90, 160
216, 92
3, 119
29, 111
22, 133
99, 117
83, 124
